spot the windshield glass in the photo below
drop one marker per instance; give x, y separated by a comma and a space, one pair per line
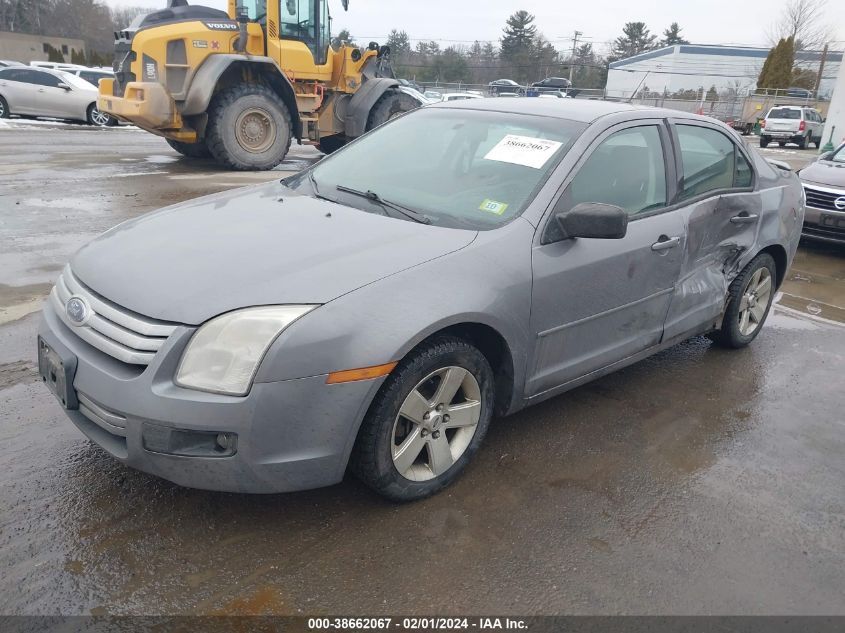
784, 113
463, 168
76, 82
839, 156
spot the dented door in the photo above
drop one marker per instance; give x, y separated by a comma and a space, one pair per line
722, 217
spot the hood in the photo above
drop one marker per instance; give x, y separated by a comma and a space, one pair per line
825, 173
258, 246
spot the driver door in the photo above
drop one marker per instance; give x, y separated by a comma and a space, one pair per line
596, 302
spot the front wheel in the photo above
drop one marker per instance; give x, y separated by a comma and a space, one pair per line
764, 141
249, 127
426, 422
4, 109
750, 298
98, 118
390, 105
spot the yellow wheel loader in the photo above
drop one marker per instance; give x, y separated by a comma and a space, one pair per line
240, 85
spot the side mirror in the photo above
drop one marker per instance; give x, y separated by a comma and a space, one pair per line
63, 86
595, 220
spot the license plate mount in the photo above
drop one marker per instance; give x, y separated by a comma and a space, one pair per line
57, 372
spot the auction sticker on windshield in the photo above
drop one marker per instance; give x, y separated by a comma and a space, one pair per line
523, 150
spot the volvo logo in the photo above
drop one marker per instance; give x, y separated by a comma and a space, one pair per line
839, 203
77, 310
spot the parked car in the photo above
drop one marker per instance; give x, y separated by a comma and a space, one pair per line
552, 84
411, 84
92, 75
41, 92
792, 124
801, 93
824, 186
554, 94
433, 94
6, 62
377, 318
56, 66
504, 85
509, 94
460, 96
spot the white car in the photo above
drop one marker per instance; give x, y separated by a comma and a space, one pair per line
56, 66
457, 96
41, 92
792, 124
92, 75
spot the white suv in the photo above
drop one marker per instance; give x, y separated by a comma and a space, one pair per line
792, 124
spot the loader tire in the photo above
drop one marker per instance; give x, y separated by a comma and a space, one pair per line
249, 127
390, 105
190, 150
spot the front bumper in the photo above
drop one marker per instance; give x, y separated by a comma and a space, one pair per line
291, 435
147, 104
824, 225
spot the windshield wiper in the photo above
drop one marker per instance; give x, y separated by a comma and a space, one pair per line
416, 216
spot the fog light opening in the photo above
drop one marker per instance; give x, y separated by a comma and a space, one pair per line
225, 441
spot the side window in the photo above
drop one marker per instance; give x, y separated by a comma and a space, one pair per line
708, 160
627, 170
45, 79
743, 176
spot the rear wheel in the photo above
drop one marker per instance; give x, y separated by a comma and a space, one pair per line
4, 109
750, 298
802, 144
764, 141
100, 119
390, 105
329, 144
249, 127
191, 150
426, 422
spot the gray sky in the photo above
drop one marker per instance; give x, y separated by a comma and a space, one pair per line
455, 22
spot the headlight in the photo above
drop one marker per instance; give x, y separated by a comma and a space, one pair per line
223, 355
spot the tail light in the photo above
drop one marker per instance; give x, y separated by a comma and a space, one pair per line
763, 125
801, 126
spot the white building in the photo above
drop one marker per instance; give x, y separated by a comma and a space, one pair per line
694, 66
834, 129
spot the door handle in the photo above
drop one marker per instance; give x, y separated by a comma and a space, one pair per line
41, 90
664, 243
744, 218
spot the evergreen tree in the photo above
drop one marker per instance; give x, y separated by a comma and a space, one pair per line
399, 43
54, 55
777, 69
340, 38
635, 39
712, 94
518, 37
672, 36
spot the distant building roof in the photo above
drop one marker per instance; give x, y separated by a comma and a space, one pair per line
717, 49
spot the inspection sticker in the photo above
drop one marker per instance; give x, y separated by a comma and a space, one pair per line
493, 207
523, 150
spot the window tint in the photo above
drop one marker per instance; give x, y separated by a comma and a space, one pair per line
22, 75
784, 113
626, 170
45, 79
743, 176
708, 160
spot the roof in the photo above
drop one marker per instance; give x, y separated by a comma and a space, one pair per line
724, 51
582, 110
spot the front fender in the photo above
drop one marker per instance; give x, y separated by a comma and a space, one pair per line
363, 101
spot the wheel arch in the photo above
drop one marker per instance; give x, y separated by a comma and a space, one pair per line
362, 102
222, 71
778, 253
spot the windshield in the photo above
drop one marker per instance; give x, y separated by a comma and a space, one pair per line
839, 156
784, 113
458, 167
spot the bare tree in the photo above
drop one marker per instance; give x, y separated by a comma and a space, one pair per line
804, 21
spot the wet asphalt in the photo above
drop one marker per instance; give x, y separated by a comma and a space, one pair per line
699, 481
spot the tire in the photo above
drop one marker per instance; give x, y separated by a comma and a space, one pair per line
391, 104
329, 144
732, 333
98, 119
781, 143
802, 144
764, 142
417, 379
4, 109
190, 150
265, 123
817, 141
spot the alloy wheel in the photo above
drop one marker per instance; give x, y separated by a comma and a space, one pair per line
754, 301
99, 118
436, 423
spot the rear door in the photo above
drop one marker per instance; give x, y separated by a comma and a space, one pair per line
721, 211
19, 88
598, 301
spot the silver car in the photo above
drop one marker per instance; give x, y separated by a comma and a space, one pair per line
41, 92
824, 186
375, 311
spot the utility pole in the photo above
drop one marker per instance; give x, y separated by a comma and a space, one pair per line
821, 70
574, 48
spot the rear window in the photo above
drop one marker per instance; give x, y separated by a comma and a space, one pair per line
784, 113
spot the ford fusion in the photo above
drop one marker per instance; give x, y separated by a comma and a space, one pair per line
372, 313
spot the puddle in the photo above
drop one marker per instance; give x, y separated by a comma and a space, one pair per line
161, 160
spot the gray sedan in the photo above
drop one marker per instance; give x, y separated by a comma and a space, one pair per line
824, 185
376, 311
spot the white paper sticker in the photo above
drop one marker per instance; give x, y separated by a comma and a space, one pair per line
523, 150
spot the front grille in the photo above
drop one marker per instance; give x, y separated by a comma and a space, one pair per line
819, 198
124, 335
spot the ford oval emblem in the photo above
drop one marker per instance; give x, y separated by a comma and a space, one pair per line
839, 203
77, 310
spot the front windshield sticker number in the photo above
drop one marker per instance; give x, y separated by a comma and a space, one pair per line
523, 150
491, 206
